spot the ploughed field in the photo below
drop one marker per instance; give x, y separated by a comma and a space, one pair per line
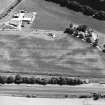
39, 54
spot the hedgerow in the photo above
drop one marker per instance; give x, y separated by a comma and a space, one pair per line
18, 79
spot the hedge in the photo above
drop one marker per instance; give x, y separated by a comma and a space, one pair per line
18, 79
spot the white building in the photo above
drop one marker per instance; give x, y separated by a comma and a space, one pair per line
18, 19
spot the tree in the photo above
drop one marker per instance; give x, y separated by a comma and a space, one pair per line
3, 79
43, 81
82, 28
99, 15
32, 80
63, 2
88, 10
18, 79
88, 40
10, 79
69, 31
81, 36
74, 5
96, 96
26, 80
53, 80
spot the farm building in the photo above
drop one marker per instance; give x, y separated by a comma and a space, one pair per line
18, 19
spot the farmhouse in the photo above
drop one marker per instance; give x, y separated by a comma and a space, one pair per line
19, 19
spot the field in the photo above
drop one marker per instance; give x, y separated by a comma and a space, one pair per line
62, 56
34, 52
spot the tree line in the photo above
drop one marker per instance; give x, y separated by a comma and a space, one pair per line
84, 7
18, 79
